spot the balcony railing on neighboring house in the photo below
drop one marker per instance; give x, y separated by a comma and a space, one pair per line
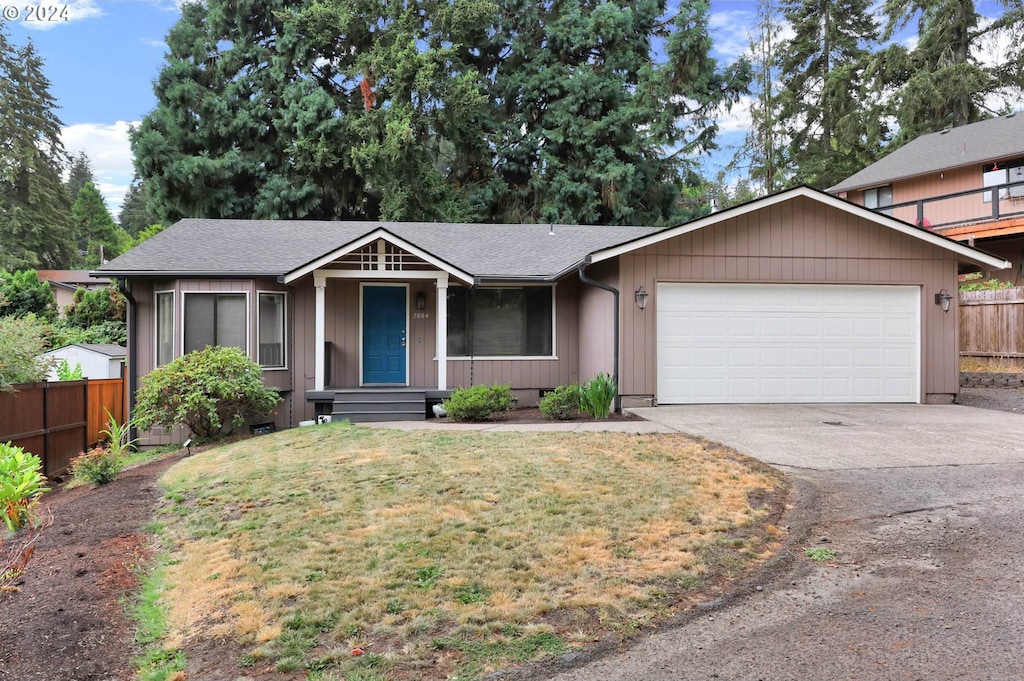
974, 206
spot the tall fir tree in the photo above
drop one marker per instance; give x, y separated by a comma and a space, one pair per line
218, 143
599, 107
135, 215
762, 155
96, 235
942, 82
824, 100
34, 207
79, 172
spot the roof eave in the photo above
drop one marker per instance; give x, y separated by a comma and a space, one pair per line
964, 253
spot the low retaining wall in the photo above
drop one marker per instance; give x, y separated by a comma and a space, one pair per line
987, 379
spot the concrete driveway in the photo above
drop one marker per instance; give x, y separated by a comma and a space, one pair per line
838, 437
924, 507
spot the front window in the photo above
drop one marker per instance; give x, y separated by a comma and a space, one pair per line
501, 322
272, 330
164, 327
215, 319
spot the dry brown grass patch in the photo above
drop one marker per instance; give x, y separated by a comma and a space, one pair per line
461, 551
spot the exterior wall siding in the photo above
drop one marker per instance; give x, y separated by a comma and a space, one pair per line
800, 241
597, 320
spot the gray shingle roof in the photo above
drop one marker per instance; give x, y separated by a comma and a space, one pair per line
277, 247
993, 140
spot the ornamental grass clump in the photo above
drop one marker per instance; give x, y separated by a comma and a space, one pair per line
211, 392
596, 396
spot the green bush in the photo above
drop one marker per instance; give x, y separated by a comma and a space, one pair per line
596, 396
21, 485
211, 392
22, 294
479, 402
22, 341
98, 466
562, 403
66, 373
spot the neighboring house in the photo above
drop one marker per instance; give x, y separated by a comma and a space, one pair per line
98, 360
966, 183
797, 297
65, 282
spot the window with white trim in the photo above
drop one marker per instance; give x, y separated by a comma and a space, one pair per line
215, 319
501, 322
271, 325
164, 327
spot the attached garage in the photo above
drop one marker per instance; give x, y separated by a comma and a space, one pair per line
749, 343
798, 297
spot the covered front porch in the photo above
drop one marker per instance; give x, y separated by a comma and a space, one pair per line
379, 343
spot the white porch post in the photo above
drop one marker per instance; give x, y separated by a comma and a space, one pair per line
442, 331
320, 286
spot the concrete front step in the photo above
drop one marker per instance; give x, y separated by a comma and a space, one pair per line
379, 405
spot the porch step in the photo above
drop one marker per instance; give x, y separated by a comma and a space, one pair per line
367, 406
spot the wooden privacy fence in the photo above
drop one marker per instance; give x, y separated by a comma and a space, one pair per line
58, 420
992, 324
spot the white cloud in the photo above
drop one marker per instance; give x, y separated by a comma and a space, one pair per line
736, 118
152, 42
730, 32
43, 15
110, 152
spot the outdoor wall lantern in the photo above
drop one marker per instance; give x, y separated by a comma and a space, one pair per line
942, 299
421, 301
641, 297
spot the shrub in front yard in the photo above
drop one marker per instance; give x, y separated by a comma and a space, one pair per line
562, 403
98, 466
21, 485
596, 396
479, 402
211, 392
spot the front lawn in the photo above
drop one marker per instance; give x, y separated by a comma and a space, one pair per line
353, 553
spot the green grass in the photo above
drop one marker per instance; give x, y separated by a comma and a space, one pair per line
820, 554
447, 555
158, 660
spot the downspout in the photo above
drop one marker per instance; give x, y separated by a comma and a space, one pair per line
133, 372
617, 403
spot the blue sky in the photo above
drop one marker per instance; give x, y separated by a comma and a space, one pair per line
103, 59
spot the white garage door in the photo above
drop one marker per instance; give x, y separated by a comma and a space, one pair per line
741, 343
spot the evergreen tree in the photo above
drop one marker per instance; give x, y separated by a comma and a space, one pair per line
762, 154
824, 99
238, 84
79, 173
941, 82
599, 108
135, 215
98, 238
34, 229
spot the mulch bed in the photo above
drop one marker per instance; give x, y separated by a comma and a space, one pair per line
66, 621
534, 415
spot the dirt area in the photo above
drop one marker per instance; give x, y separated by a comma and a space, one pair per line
66, 621
534, 415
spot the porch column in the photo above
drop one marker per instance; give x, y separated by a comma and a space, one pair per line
442, 331
319, 335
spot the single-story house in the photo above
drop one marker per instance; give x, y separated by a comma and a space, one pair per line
98, 360
796, 297
65, 283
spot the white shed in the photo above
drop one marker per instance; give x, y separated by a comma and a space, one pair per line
98, 360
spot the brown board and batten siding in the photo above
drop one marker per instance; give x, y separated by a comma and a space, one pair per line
799, 241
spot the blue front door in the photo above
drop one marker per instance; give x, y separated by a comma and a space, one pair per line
384, 334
